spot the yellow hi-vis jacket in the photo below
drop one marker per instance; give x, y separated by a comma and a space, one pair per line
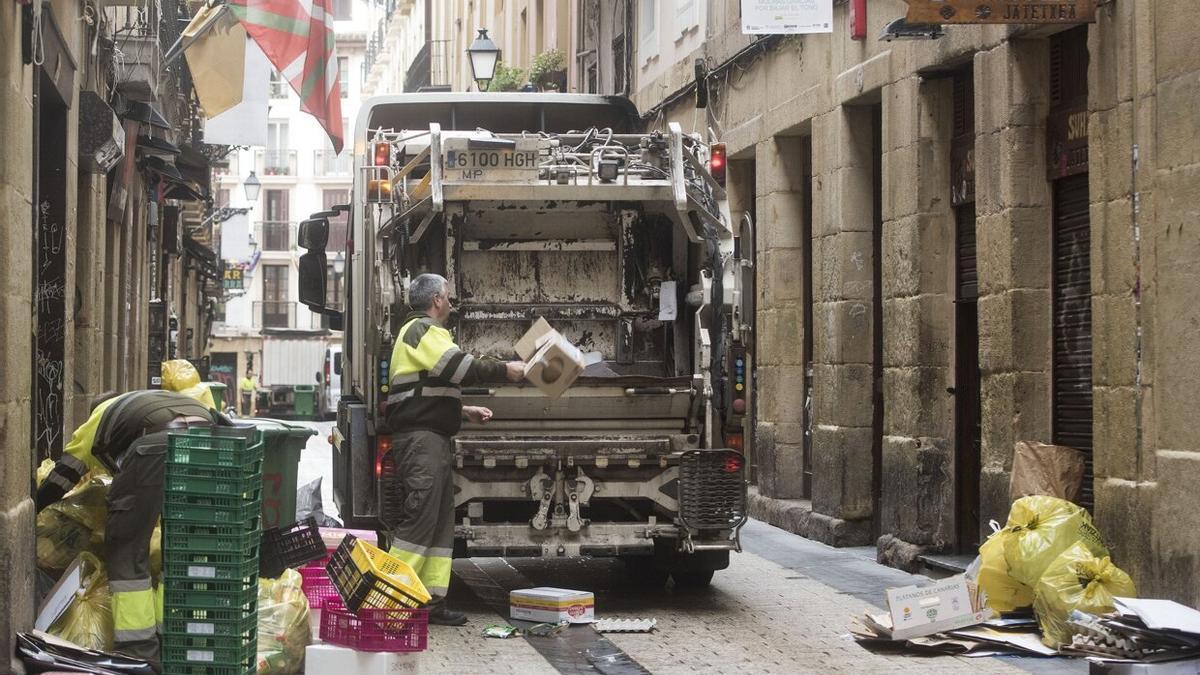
426, 377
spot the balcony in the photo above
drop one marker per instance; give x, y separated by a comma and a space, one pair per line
326, 164
230, 167
274, 235
274, 162
430, 69
284, 315
278, 88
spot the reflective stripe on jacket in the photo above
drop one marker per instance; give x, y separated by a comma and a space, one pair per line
426, 377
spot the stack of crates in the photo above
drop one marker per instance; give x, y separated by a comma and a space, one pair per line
211, 530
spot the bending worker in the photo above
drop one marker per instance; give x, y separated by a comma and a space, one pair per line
424, 411
127, 436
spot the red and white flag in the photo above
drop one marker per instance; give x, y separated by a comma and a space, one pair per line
297, 36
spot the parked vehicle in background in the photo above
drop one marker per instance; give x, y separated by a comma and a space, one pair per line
332, 384
293, 364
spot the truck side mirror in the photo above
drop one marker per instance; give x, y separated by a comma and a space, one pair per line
312, 280
314, 234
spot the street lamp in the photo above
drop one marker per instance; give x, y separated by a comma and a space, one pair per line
484, 55
339, 263
252, 186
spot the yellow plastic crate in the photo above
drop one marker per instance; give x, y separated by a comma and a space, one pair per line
365, 576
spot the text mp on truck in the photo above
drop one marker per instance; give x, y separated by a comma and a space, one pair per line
557, 206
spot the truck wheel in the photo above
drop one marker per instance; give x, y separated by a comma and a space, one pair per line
643, 573
692, 580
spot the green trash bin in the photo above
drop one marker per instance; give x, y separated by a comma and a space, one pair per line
304, 401
217, 389
283, 443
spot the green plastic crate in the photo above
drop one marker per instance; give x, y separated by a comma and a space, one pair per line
239, 594
211, 566
214, 482
204, 509
183, 652
206, 447
193, 538
223, 623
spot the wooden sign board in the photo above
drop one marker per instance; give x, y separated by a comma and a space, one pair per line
1001, 11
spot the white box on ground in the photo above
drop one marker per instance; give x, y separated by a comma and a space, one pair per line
941, 606
325, 658
552, 605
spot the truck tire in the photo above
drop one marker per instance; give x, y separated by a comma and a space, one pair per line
643, 572
693, 579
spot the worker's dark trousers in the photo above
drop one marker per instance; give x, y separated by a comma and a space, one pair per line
135, 501
423, 531
247, 403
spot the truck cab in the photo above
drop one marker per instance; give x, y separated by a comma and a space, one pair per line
563, 207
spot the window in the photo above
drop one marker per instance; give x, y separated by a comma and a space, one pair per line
333, 288
275, 306
278, 86
686, 16
648, 30
344, 75
276, 227
337, 226
620, 66
343, 10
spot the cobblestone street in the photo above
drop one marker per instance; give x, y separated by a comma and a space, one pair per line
781, 607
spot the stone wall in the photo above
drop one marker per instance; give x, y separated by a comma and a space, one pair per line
16, 306
1144, 86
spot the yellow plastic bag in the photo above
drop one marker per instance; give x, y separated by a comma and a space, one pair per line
181, 376
44, 470
1004, 593
283, 624
1039, 529
73, 525
1077, 580
88, 621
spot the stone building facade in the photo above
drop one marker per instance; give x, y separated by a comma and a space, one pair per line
961, 243
94, 291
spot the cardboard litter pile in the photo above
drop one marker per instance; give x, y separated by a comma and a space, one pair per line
1139, 631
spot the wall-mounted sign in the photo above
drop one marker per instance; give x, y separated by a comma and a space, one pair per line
1067, 142
1001, 11
786, 17
235, 276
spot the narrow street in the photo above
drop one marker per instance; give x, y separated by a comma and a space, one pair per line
781, 607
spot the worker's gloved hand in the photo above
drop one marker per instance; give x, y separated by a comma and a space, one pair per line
477, 414
515, 371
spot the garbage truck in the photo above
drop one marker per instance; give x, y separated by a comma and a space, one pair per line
561, 207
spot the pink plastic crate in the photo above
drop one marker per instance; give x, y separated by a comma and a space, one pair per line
375, 630
317, 586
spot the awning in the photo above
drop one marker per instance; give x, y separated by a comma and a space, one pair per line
209, 266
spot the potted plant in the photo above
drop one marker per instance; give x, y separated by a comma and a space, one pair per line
507, 78
549, 70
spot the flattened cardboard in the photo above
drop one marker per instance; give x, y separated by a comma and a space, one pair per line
555, 366
526, 347
941, 606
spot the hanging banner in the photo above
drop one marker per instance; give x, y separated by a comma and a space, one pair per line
235, 276
1001, 11
786, 17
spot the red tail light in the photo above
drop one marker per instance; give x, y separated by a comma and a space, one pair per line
383, 445
382, 154
734, 463
716, 162
736, 442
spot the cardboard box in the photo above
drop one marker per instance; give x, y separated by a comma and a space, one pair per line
941, 606
552, 363
552, 605
324, 658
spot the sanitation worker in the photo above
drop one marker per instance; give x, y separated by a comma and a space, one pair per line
424, 412
126, 435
